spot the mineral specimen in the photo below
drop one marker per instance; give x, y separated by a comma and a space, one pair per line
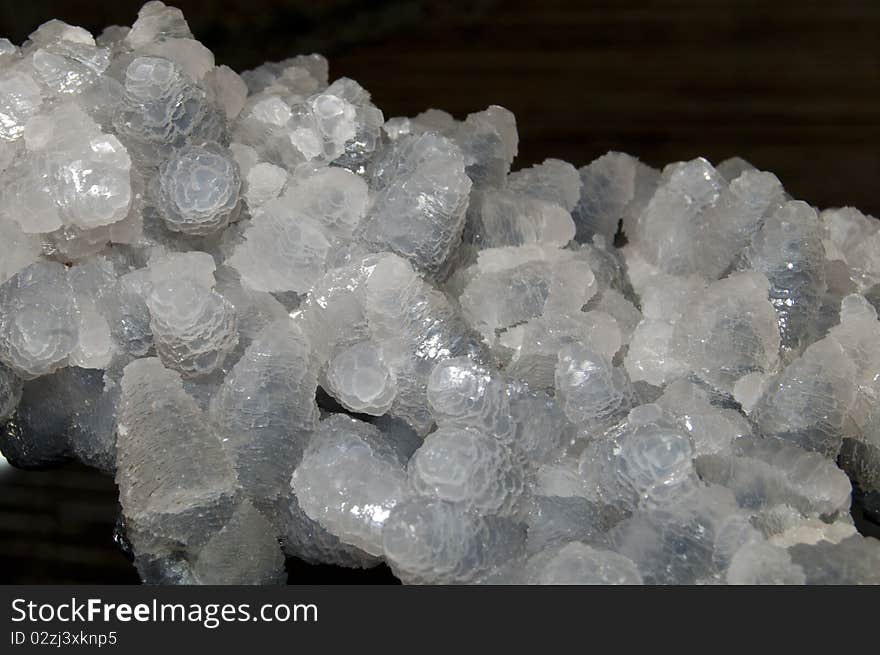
291, 327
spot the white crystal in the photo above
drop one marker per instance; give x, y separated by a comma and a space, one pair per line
578, 563
421, 198
38, 328
244, 551
463, 465
207, 279
265, 409
198, 190
349, 481
174, 477
361, 380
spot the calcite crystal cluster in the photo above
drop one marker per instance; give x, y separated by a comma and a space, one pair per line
291, 326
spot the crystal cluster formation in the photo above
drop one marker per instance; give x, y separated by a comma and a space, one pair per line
291, 326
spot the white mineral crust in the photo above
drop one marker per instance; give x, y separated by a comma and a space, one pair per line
293, 328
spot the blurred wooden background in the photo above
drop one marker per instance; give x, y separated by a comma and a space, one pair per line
791, 85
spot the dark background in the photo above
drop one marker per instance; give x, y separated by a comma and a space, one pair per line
792, 86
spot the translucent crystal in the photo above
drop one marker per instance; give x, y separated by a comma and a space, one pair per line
763, 563
489, 142
426, 540
664, 228
334, 198
174, 476
264, 182
198, 190
613, 187
578, 563
463, 393
417, 326
23, 249
283, 250
653, 462
162, 109
194, 58
501, 218
764, 473
729, 226
70, 412
855, 560
553, 520
808, 402
77, 175
729, 330
713, 429
553, 180
10, 392
421, 198
677, 544
349, 481
511, 285
265, 409
157, 22
244, 551
593, 392
854, 238
359, 378
229, 90
38, 329
293, 328
788, 250
465, 466
306, 539
20, 97
193, 328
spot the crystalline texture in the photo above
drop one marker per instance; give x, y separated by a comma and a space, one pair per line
20, 98
500, 218
265, 408
578, 563
764, 473
653, 462
174, 477
38, 330
431, 541
788, 250
463, 393
293, 328
198, 190
729, 331
462, 465
77, 175
193, 327
808, 402
553, 180
156, 22
283, 250
163, 109
421, 198
417, 326
764, 563
361, 381
244, 551
663, 231
10, 392
613, 187
349, 481
512, 285
68, 67
593, 392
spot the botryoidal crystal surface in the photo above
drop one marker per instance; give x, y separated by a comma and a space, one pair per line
291, 326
